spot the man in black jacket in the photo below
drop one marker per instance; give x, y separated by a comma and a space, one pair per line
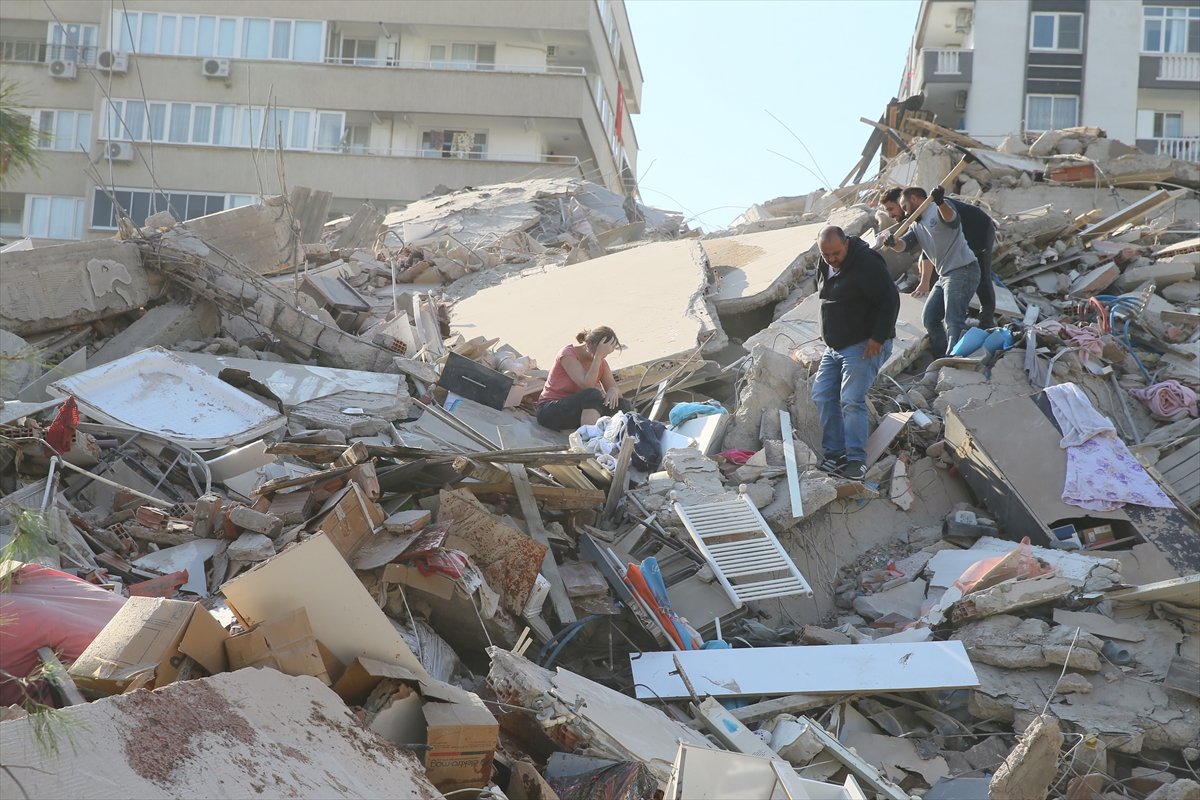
859, 306
979, 229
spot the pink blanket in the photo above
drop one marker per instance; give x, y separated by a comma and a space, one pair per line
1167, 399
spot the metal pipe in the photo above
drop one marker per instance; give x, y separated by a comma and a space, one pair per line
115, 485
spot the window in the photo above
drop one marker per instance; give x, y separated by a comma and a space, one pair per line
358, 139
139, 204
1170, 29
462, 56
1056, 32
63, 130
206, 124
454, 144
1045, 112
72, 42
53, 217
358, 51
329, 130
170, 34
1159, 124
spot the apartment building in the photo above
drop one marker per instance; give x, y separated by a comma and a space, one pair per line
994, 67
192, 106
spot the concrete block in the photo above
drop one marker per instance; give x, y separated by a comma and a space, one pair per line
49, 288
1182, 789
1028, 770
18, 364
161, 326
1094, 281
1045, 144
1163, 273
1183, 292
251, 547
905, 599
1107, 149
251, 520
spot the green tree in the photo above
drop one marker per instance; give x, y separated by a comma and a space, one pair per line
18, 139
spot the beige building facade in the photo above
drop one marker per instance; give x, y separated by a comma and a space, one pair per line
196, 107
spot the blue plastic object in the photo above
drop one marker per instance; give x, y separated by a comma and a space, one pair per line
998, 339
970, 342
654, 580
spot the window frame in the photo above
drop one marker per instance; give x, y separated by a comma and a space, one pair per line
78, 211
1053, 99
1057, 31
446, 151
222, 40
448, 62
36, 123
1190, 17
154, 202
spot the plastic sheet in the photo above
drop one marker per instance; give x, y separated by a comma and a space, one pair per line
1019, 563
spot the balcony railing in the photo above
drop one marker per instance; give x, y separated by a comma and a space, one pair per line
1183, 67
1185, 148
524, 158
34, 51
947, 62
451, 66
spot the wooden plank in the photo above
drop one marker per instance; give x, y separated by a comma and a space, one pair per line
558, 498
1189, 453
789, 458
1132, 214
945, 133
620, 479
533, 519
60, 682
1180, 317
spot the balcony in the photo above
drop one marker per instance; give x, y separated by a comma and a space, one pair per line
1181, 67
452, 66
35, 51
1185, 148
943, 65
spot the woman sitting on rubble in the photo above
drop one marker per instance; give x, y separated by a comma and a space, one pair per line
581, 389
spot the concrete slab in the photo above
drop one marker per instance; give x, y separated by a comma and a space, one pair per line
71, 284
759, 268
260, 237
163, 325
801, 327
652, 296
255, 728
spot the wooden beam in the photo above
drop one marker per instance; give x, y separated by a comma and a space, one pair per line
60, 682
533, 519
555, 497
620, 479
944, 133
792, 704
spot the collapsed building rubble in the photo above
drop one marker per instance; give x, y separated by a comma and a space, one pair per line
289, 475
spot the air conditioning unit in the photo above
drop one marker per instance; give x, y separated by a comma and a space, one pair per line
960, 100
112, 61
551, 53
118, 151
62, 69
215, 68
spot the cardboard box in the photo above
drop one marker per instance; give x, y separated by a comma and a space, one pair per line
1100, 533
437, 584
462, 742
284, 643
146, 645
362, 675
350, 519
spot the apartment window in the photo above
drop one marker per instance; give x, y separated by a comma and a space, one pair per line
72, 42
174, 34
358, 139
462, 56
1045, 112
330, 125
1056, 32
454, 144
1170, 29
358, 51
139, 204
135, 120
208, 124
12, 215
1153, 124
53, 217
63, 130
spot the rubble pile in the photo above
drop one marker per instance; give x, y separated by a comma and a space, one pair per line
276, 510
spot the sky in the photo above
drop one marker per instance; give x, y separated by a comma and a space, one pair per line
715, 70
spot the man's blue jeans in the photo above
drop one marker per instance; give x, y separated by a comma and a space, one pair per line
840, 393
949, 299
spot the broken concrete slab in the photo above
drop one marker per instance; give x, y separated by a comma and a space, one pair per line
1098, 625
668, 316
895, 756
1014, 643
18, 364
906, 599
259, 237
1163, 273
755, 269
254, 728
162, 326
72, 284
606, 725
1028, 770
1011, 596
801, 327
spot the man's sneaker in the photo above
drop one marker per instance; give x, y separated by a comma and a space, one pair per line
853, 471
832, 464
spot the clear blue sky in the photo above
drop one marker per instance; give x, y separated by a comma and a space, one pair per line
714, 68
